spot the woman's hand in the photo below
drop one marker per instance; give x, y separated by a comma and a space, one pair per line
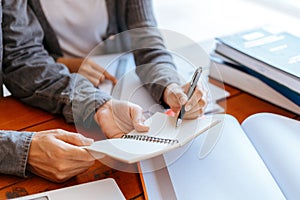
89, 69
117, 118
56, 155
175, 97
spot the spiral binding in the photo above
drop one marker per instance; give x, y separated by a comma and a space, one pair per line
148, 138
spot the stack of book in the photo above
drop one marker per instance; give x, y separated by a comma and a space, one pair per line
264, 62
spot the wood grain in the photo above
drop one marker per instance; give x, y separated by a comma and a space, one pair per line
129, 183
15, 115
11, 186
243, 105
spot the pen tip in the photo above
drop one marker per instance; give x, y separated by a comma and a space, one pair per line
178, 122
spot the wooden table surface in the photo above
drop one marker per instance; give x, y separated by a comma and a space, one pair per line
15, 115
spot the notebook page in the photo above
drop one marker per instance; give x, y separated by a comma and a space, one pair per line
277, 139
162, 129
232, 170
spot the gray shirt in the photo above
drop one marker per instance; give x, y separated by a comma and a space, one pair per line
124, 15
33, 76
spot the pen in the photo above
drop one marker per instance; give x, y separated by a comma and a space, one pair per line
193, 85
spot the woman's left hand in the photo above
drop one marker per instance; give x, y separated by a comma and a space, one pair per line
89, 69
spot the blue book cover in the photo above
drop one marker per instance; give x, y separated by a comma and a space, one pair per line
277, 49
285, 91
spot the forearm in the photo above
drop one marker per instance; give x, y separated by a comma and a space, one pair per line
156, 70
72, 64
14, 148
155, 64
33, 76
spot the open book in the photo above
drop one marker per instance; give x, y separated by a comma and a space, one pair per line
256, 160
162, 137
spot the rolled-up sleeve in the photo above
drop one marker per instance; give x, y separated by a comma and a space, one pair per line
14, 149
33, 76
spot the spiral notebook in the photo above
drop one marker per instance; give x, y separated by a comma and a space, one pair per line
162, 137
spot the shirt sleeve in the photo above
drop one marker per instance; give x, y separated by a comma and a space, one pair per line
155, 66
14, 149
33, 76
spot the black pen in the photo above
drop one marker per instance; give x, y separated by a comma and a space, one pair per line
193, 85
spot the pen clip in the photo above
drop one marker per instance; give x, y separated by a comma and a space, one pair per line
199, 70
194, 81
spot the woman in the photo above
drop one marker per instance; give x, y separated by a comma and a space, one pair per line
73, 28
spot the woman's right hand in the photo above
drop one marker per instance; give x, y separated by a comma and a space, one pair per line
87, 68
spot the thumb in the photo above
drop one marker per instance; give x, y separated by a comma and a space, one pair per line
175, 96
74, 138
136, 113
179, 100
181, 97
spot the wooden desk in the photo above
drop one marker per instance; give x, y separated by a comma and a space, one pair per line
17, 116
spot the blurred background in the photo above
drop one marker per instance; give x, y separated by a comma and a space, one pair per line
203, 20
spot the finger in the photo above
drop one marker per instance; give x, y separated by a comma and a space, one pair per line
197, 110
92, 75
110, 77
200, 105
180, 95
195, 114
95, 81
193, 101
182, 98
73, 138
101, 78
68, 151
180, 101
106, 74
175, 97
136, 113
74, 153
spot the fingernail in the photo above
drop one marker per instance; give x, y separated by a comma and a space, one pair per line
141, 123
187, 108
182, 100
88, 140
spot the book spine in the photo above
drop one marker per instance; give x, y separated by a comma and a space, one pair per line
282, 89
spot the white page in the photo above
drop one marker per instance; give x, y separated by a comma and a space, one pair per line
277, 139
162, 127
232, 170
156, 180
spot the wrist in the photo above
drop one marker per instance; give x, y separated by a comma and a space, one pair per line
73, 64
102, 109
